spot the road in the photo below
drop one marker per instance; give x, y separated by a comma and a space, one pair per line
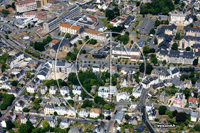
143, 110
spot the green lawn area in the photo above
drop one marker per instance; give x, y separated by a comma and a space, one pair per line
104, 21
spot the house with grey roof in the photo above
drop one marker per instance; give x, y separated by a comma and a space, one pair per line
52, 120
188, 41
53, 90
74, 130
194, 116
65, 123
191, 31
24, 118
119, 117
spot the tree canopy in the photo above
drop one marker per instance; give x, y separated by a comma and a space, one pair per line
157, 7
174, 46
162, 110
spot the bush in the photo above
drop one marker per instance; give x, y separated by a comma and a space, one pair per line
25, 110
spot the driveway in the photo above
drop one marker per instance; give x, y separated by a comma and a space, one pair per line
146, 25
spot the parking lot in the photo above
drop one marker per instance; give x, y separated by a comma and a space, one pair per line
146, 25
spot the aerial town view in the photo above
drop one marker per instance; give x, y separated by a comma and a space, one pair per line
99, 66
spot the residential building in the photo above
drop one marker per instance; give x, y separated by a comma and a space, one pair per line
118, 20
148, 81
74, 130
121, 52
64, 90
194, 116
164, 97
65, 123
193, 102
53, 90
137, 92
55, 100
106, 113
45, 71
76, 90
14, 91
67, 28
72, 112
122, 96
52, 120
49, 109
84, 113
179, 100
119, 117
107, 92
185, 57
94, 113
24, 118
43, 90
31, 89
25, 6
19, 106
180, 19
60, 110
188, 41
191, 31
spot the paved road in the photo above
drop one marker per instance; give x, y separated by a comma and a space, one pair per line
143, 110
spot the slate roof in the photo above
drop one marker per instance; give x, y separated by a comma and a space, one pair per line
64, 42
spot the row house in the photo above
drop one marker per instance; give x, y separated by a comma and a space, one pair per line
121, 52
181, 19
15, 59
84, 113
190, 31
188, 41
185, 57
94, 113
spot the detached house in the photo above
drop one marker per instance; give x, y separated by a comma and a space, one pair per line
193, 102
43, 90
31, 89
194, 116
76, 90
19, 105
60, 110
94, 113
53, 90
106, 92
24, 118
84, 113
64, 90
52, 120
179, 100
148, 81
122, 96
65, 123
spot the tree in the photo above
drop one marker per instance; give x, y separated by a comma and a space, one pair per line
67, 35
174, 46
109, 26
25, 109
162, 110
197, 127
5, 12
164, 62
152, 31
155, 41
87, 38
188, 49
127, 117
149, 68
23, 129
191, 25
14, 83
9, 124
55, 113
177, 36
176, 1
195, 62
195, 18
106, 106
45, 124
87, 103
157, 23
80, 42
71, 102
174, 113
137, 3
30, 126
181, 117
153, 59
146, 49
110, 14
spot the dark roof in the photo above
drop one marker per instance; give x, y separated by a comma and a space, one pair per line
164, 52
189, 28
64, 42
173, 53
191, 38
175, 70
164, 45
